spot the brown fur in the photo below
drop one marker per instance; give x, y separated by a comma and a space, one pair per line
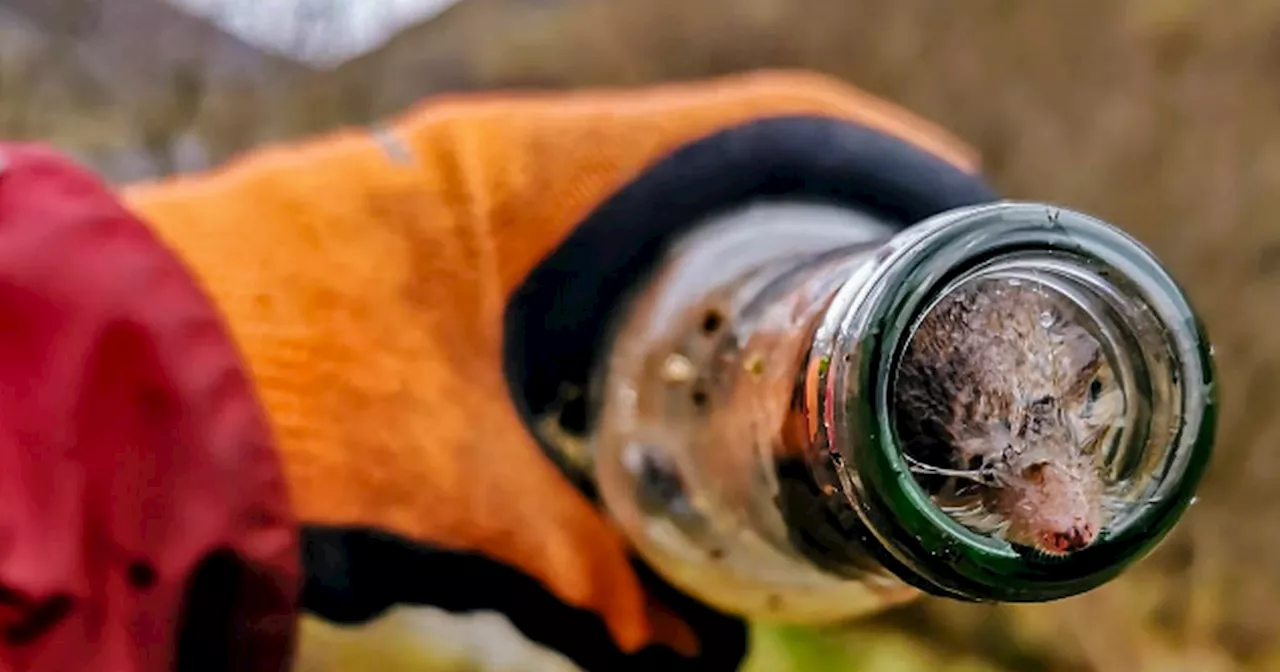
1000, 386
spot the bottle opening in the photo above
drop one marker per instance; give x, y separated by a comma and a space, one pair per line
1033, 399
1023, 404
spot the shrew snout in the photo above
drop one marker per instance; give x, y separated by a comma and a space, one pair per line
1052, 506
1076, 537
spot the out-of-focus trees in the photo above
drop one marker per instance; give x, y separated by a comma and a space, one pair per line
138, 87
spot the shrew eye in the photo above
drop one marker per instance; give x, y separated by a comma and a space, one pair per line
1095, 389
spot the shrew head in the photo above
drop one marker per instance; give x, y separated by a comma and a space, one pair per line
1000, 401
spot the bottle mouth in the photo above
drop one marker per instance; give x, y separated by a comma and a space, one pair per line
1028, 401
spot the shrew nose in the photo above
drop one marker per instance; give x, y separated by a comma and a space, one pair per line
1071, 539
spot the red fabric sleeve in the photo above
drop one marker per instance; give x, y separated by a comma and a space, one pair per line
144, 519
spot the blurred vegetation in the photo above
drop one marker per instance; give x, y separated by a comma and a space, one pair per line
1159, 115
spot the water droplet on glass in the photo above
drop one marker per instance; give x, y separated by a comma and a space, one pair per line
1046, 319
677, 369
628, 395
633, 457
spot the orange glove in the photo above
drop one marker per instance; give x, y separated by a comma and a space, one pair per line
409, 301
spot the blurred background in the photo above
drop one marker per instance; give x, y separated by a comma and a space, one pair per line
1160, 115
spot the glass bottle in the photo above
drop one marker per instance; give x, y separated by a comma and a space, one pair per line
758, 432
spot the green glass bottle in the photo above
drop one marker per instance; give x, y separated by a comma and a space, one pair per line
800, 421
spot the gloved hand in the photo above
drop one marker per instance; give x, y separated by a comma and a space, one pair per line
408, 302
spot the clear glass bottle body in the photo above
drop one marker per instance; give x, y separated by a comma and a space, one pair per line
699, 426
743, 433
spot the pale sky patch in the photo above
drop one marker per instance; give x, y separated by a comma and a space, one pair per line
321, 32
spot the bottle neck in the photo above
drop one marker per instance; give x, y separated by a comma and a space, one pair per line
1056, 351
799, 418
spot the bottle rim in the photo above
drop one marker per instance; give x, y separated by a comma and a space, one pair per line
876, 314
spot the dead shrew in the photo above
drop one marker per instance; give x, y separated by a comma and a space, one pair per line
1000, 401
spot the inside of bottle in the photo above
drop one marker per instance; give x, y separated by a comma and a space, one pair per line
1037, 401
